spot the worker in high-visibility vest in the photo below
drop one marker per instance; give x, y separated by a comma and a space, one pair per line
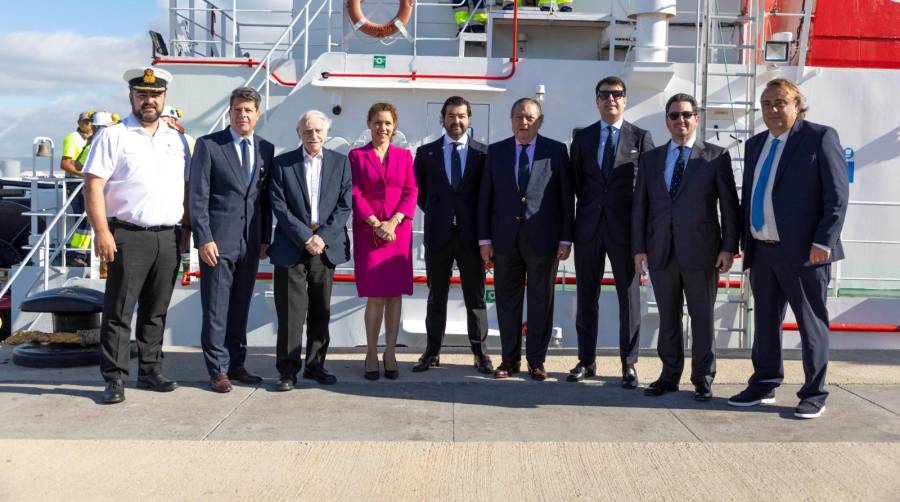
471, 12
544, 5
81, 238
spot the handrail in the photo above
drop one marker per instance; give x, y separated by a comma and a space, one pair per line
265, 61
43, 242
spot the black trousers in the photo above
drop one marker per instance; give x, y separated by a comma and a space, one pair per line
143, 273
225, 293
511, 270
671, 285
303, 295
439, 268
776, 284
590, 262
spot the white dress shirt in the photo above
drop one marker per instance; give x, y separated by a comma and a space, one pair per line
672, 158
769, 230
312, 166
144, 174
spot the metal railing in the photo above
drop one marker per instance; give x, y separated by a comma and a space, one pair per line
48, 251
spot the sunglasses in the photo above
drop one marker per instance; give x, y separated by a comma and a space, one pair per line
685, 115
614, 94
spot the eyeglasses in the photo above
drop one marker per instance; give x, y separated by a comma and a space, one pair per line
673, 116
608, 94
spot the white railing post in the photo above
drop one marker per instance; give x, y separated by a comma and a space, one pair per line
306, 37
804, 37
330, 22
234, 28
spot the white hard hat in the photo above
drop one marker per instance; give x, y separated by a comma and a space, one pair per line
102, 119
171, 111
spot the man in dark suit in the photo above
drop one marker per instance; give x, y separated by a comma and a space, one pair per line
231, 219
605, 159
525, 226
682, 187
448, 172
311, 197
795, 192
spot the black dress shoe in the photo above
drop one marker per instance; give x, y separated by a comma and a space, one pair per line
484, 364
506, 370
320, 375
426, 362
581, 371
702, 392
629, 377
114, 392
243, 376
157, 382
285, 383
660, 387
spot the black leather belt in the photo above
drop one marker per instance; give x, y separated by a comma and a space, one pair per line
131, 226
770, 243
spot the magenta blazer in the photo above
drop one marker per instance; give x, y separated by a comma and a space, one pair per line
382, 190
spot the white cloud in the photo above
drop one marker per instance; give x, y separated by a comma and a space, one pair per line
38, 63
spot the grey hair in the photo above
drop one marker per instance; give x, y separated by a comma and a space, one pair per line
313, 113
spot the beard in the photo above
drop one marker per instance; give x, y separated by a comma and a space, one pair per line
147, 114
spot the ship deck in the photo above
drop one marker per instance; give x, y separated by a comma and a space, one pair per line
448, 433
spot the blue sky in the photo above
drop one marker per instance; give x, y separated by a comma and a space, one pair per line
60, 57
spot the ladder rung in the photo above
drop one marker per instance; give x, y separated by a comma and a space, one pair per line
732, 17
730, 131
735, 103
731, 46
726, 74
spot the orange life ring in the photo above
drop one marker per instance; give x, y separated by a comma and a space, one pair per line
361, 23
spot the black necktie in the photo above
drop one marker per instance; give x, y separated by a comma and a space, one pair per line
245, 159
455, 166
609, 153
678, 173
524, 173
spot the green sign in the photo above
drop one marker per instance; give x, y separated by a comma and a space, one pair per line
490, 296
379, 61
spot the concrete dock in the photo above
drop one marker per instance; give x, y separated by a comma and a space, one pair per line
448, 434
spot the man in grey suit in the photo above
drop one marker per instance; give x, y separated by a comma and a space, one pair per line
682, 187
605, 159
311, 196
231, 219
525, 219
794, 199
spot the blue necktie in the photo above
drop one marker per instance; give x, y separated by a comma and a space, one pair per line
677, 173
455, 167
757, 215
609, 154
245, 159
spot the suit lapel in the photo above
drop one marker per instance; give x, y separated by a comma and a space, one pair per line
471, 156
792, 141
751, 160
595, 133
300, 173
232, 156
660, 164
540, 167
691, 167
325, 177
438, 151
623, 149
380, 168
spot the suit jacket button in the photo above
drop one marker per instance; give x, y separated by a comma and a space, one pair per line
523, 199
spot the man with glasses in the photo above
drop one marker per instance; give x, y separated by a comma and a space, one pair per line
525, 225
795, 193
682, 188
605, 158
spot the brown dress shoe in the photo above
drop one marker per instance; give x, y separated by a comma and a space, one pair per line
243, 376
537, 373
220, 383
505, 370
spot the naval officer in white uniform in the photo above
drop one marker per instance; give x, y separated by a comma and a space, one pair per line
134, 178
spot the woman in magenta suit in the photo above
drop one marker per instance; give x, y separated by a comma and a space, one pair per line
384, 203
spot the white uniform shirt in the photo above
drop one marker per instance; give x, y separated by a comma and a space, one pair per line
312, 165
769, 230
144, 174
